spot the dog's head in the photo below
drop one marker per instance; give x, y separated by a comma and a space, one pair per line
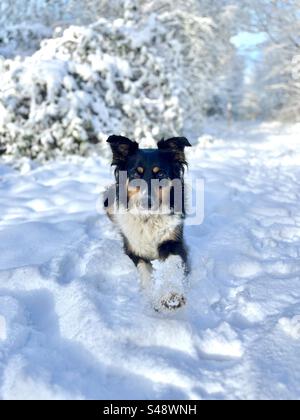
150, 175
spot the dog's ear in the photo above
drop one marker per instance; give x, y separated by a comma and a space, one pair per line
177, 146
122, 148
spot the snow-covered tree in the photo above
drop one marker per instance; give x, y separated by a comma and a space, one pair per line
22, 40
83, 85
229, 90
195, 48
277, 80
46, 12
150, 71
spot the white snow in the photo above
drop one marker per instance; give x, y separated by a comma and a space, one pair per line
2, 328
73, 323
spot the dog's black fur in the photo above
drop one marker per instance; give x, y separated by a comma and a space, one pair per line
167, 162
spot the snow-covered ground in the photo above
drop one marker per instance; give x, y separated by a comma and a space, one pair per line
73, 323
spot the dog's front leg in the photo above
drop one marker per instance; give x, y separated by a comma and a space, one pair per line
143, 266
170, 273
145, 272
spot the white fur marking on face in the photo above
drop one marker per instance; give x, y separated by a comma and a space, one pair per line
145, 233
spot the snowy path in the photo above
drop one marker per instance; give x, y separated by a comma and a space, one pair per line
73, 324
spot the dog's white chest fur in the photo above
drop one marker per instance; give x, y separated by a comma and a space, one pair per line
145, 234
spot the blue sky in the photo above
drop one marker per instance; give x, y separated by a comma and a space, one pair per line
246, 40
249, 46
248, 43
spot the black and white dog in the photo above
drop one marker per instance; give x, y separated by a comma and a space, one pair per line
147, 203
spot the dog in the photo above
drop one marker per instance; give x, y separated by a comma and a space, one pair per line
147, 204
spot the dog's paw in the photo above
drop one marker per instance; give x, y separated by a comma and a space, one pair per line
172, 302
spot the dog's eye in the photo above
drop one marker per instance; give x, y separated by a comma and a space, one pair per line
140, 170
